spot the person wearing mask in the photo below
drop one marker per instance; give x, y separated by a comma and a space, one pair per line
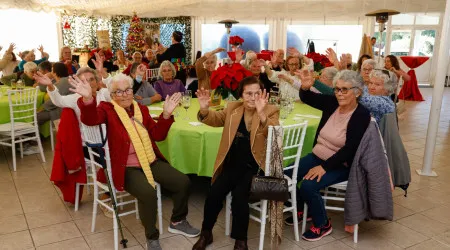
176, 54
144, 93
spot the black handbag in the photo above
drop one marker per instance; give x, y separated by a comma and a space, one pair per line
269, 188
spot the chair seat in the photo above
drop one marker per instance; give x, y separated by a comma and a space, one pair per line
340, 185
6, 127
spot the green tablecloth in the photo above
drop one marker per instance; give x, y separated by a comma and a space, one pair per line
193, 149
5, 114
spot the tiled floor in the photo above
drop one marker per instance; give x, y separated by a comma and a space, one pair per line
33, 216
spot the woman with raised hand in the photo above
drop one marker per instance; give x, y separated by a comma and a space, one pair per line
242, 152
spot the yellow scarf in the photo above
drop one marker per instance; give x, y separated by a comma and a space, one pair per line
139, 137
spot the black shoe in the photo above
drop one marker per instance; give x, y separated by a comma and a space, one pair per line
290, 220
206, 238
240, 245
317, 233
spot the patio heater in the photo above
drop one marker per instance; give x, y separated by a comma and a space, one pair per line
381, 17
228, 24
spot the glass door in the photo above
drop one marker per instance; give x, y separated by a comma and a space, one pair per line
400, 42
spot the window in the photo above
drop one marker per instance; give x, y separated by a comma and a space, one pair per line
424, 42
342, 38
400, 43
256, 37
166, 31
427, 18
403, 19
28, 30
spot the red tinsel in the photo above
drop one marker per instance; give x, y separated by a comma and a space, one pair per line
227, 78
108, 53
236, 40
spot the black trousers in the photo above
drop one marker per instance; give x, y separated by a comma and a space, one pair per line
237, 180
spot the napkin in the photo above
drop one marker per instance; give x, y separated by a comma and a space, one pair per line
308, 116
155, 108
195, 124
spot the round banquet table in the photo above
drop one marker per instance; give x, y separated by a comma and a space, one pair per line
193, 149
5, 113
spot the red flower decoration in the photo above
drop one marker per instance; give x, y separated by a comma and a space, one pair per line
320, 61
226, 78
108, 53
236, 40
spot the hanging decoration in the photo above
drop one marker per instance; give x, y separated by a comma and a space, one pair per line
66, 25
135, 38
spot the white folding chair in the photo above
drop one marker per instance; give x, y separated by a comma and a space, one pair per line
92, 135
293, 138
23, 126
338, 195
152, 74
53, 128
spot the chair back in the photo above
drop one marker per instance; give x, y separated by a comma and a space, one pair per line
152, 74
22, 107
96, 135
293, 139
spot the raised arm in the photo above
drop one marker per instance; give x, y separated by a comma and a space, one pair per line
209, 117
318, 101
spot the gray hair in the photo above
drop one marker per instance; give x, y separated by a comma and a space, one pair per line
214, 57
389, 82
351, 77
119, 78
329, 72
29, 66
370, 62
167, 64
84, 70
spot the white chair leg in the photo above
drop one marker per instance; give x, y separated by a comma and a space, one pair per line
41, 150
228, 214
116, 232
160, 220
136, 207
305, 216
13, 147
94, 208
21, 148
77, 195
121, 202
263, 217
355, 234
294, 214
51, 136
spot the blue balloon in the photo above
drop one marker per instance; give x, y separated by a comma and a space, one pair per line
251, 39
294, 41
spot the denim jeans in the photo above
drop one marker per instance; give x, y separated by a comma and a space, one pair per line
309, 191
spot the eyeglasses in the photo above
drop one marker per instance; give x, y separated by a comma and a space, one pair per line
252, 94
119, 92
342, 90
293, 64
367, 69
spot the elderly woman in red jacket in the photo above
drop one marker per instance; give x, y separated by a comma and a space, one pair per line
136, 161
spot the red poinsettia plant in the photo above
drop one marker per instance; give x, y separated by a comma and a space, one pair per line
108, 53
225, 79
236, 40
320, 61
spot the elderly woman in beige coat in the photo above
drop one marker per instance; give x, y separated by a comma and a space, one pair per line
241, 153
204, 66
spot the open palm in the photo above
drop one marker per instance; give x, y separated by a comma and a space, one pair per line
80, 87
203, 98
42, 79
261, 101
171, 103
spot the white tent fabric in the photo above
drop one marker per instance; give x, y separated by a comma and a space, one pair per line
296, 9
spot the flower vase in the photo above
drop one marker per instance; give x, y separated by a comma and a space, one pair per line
216, 98
230, 98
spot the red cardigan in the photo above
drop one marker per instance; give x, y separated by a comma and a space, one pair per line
118, 139
68, 156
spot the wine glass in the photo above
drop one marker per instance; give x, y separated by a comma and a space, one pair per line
186, 102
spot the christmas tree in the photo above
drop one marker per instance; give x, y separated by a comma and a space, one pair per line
135, 38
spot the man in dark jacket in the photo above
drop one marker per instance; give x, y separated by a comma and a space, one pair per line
176, 54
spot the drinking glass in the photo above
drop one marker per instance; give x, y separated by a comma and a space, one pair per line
186, 102
20, 85
13, 84
284, 109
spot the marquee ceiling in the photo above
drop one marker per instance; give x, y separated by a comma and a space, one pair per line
298, 9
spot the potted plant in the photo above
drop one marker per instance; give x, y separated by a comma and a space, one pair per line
225, 82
